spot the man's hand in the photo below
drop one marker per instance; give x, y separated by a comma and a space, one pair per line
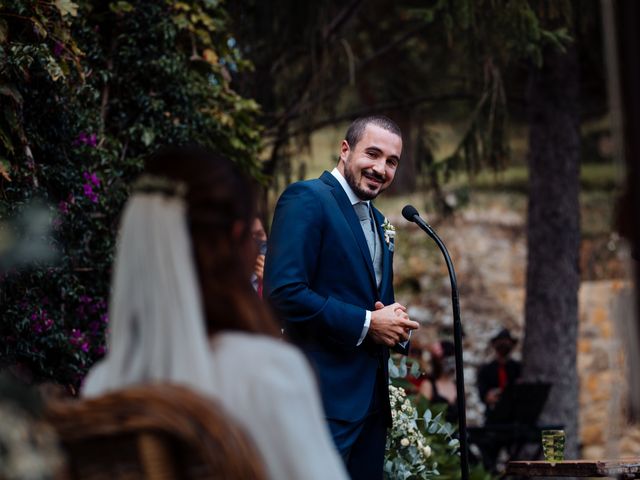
492, 396
390, 325
258, 269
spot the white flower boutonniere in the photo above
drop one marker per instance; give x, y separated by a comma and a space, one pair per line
389, 234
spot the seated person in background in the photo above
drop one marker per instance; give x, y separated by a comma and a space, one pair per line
417, 353
260, 237
183, 310
496, 375
440, 386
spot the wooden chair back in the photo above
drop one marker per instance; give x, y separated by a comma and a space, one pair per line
159, 432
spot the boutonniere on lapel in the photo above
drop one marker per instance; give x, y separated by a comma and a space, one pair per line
389, 234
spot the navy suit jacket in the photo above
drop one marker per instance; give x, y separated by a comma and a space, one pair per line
319, 278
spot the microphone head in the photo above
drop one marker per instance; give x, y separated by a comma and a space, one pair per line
409, 211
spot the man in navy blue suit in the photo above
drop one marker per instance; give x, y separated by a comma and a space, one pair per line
329, 278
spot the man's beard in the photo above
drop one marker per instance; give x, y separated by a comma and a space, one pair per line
360, 192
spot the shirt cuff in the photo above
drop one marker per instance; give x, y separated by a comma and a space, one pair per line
365, 329
406, 342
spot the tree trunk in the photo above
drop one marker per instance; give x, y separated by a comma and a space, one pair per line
621, 28
553, 239
406, 176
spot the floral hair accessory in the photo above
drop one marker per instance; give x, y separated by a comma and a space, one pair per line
163, 185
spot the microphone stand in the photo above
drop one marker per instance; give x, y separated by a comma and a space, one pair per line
457, 341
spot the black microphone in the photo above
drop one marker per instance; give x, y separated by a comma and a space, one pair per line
411, 214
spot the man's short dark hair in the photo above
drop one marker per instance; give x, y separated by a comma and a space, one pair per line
357, 128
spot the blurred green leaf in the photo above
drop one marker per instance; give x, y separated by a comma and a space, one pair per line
5, 139
5, 169
121, 7
67, 7
4, 30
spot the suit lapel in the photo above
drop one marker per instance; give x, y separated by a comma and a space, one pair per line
352, 219
386, 253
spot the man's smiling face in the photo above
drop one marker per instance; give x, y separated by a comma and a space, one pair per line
370, 165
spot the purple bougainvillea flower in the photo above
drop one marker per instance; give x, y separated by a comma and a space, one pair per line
91, 178
78, 339
101, 350
81, 139
90, 140
63, 207
40, 322
85, 299
89, 193
58, 48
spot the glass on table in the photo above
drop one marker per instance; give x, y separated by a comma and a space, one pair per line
553, 445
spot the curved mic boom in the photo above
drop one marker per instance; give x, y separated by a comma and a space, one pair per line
411, 214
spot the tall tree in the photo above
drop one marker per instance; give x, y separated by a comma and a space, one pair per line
553, 237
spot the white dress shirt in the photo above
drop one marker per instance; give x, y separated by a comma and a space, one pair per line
353, 198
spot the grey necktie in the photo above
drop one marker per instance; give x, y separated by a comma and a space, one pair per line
362, 210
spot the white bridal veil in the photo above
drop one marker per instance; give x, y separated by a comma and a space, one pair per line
156, 330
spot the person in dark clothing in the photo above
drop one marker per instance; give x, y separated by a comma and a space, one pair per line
495, 376
493, 379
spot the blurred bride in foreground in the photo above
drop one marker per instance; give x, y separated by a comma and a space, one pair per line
183, 310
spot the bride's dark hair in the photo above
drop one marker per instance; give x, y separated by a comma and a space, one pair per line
221, 205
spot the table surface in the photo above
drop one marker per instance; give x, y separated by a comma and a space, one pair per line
626, 467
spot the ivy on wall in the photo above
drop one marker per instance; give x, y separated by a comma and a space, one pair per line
87, 90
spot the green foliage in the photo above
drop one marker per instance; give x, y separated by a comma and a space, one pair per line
420, 444
496, 36
317, 63
87, 90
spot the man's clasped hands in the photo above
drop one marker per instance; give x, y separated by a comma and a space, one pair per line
390, 324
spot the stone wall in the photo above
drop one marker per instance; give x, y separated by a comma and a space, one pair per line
488, 247
604, 431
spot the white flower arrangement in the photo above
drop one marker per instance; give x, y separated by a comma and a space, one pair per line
420, 446
407, 449
389, 234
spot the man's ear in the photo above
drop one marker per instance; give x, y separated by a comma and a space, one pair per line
344, 151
